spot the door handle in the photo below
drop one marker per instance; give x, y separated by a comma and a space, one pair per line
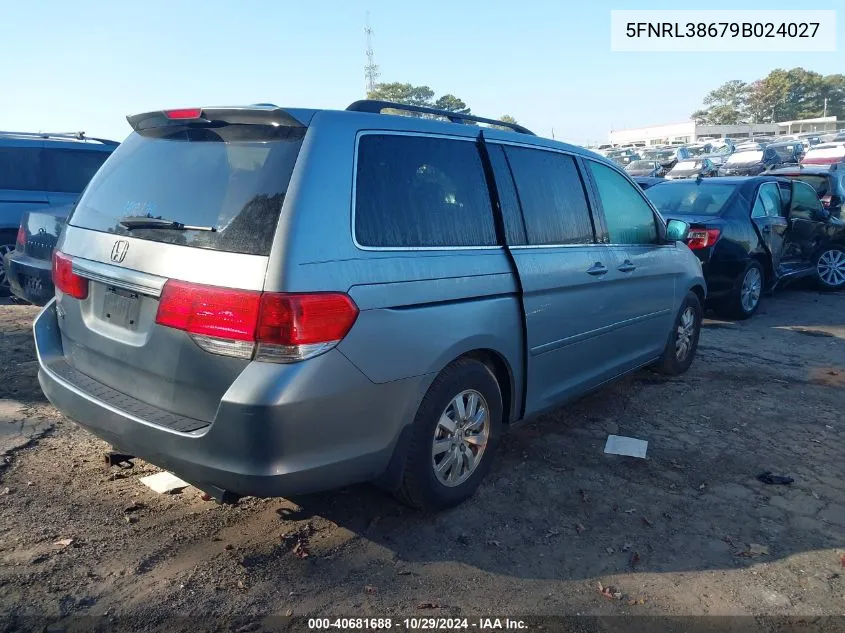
627, 267
597, 269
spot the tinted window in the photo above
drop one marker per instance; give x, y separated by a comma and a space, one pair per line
20, 168
514, 226
769, 197
629, 218
690, 197
805, 202
69, 170
233, 178
550, 190
421, 192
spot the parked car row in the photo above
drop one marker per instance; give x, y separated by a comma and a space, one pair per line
41, 175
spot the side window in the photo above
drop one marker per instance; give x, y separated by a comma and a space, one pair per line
421, 192
20, 168
758, 211
69, 171
769, 197
514, 226
629, 218
805, 202
552, 195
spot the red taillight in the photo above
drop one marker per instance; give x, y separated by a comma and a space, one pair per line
20, 240
287, 327
65, 280
702, 238
183, 113
305, 319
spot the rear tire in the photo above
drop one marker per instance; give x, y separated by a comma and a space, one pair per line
7, 245
444, 468
830, 268
683, 340
744, 301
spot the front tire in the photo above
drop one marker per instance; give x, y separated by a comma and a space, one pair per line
683, 341
744, 301
455, 433
830, 268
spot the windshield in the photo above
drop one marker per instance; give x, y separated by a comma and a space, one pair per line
642, 165
745, 156
195, 176
698, 150
784, 151
690, 197
662, 154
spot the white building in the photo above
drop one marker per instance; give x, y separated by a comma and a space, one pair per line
690, 131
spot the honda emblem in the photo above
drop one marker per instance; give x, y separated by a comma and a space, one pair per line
118, 251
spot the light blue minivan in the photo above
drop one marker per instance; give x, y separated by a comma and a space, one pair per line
272, 301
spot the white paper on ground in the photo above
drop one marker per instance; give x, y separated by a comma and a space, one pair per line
164, 482
621, 445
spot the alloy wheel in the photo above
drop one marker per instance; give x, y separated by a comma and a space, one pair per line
460, 438
4, 250
686, 334
831, 267
752, 288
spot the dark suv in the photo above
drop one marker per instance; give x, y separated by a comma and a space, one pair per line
40, 176
827, 180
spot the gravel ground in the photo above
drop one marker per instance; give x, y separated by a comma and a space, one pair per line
688, 531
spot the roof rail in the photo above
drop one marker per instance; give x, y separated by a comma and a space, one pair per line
376, 107
79, 136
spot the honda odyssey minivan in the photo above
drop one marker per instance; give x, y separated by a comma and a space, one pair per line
270, 301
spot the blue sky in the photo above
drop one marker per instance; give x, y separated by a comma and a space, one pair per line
84, 65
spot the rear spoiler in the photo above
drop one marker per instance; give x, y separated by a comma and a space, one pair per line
251, 115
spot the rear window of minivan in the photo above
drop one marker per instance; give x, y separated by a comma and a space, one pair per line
233, 178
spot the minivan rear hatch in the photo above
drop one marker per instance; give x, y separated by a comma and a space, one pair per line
189, 201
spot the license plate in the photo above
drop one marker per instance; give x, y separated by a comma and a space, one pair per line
121, 308
32, 284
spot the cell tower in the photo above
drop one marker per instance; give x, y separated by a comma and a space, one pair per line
371, 71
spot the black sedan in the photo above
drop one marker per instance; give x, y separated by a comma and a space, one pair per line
752, 234
750, 161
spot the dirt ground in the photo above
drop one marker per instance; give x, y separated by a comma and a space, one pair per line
688, 531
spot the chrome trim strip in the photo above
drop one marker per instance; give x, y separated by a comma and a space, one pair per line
125, 278
470, 139
81, 394
583, 336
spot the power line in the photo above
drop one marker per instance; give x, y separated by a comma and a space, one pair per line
371, 71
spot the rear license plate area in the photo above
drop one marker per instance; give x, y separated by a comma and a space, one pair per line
32, 284
121, 307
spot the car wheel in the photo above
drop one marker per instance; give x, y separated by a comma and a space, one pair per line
830, 268
745, 299
683, 340
7, 245
455, 433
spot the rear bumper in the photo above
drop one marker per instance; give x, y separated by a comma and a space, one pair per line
30, 278
280, 430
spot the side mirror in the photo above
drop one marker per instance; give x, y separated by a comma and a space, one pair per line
676, 231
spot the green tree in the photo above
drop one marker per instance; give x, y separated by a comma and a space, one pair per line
507, 118
452, 104
726, 105
403, 93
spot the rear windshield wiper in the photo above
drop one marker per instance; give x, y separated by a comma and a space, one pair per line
145, 222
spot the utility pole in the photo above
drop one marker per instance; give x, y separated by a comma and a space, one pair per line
371, 71
553, 133
825, 107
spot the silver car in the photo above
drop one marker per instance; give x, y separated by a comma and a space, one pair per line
270, 301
